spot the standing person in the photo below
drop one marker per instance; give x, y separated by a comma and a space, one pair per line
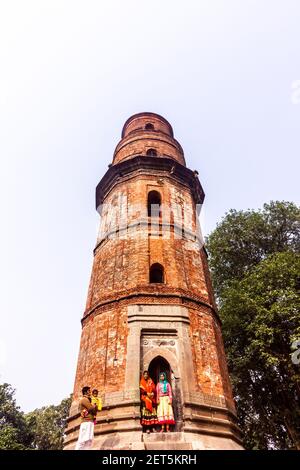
164, 401
148, 402
88, 412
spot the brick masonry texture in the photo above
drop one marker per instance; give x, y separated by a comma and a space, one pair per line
129, 242
123, 261
137, 139
103, 339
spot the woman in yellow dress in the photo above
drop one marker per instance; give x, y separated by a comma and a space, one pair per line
165, 414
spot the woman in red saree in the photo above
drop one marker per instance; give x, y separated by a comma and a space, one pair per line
148, 402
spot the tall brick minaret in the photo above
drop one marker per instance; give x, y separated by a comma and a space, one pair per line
150, 303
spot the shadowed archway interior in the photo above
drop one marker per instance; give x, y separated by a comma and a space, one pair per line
157, 366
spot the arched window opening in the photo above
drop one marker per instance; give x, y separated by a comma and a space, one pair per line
149, 127
156, 274
151, 153
154, 204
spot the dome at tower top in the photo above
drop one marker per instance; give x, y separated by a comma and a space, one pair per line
147, 122
148, 134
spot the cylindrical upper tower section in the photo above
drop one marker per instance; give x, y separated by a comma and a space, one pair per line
148, 134
147, 121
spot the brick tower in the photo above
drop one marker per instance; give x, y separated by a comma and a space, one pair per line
150, 303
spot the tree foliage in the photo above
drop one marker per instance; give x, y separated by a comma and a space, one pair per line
256, 271
14, 432
244, 238
41, 429
48, 425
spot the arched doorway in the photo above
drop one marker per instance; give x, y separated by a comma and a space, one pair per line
160, 364
157, 366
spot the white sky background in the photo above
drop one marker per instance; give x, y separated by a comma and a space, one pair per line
71, 73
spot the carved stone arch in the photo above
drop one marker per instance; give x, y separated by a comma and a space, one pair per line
166, 354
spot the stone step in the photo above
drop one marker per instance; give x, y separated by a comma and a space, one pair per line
166, 441
163, 437
168, 445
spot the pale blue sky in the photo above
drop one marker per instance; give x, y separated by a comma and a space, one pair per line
71, 73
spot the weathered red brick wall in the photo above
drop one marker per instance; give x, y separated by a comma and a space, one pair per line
208, 354
137, 123
123, 261
136, 140
103, 339
137, 145
223, 363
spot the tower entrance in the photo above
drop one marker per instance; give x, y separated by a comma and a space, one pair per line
157, 366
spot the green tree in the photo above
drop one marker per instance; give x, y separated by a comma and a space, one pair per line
48, 425
41, 429
15, 434
244, 238
256, 272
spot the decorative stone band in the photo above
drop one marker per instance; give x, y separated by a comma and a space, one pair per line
158, 294
115, 399
198, 398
